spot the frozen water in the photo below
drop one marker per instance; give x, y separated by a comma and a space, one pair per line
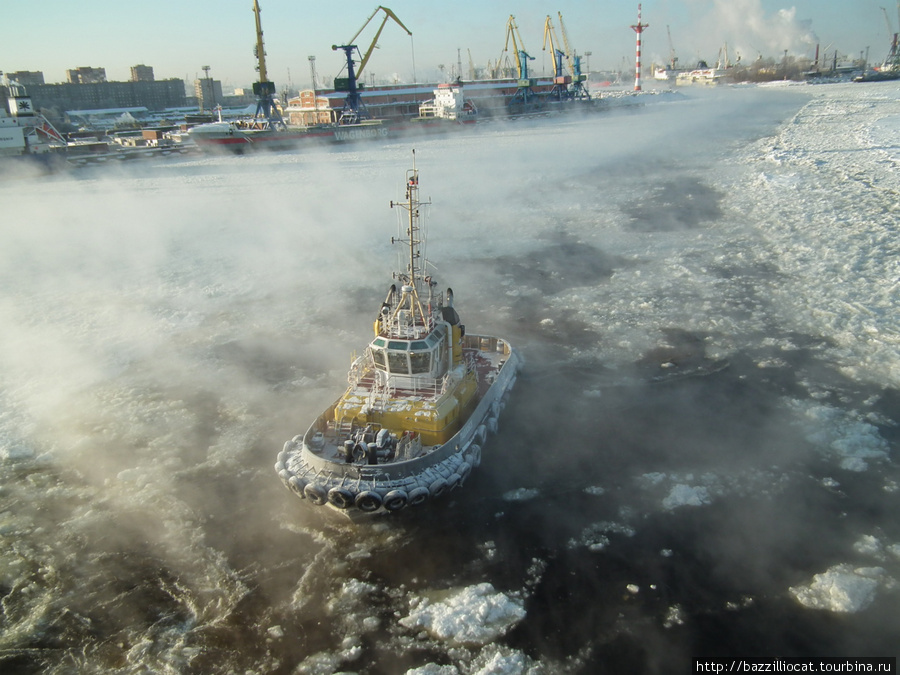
433, 669
852, 440
476, 615
840, 589
685, 495
705, 289
521, 494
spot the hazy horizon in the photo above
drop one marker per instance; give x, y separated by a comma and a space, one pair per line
177, 40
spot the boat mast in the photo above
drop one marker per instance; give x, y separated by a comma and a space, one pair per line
414, 276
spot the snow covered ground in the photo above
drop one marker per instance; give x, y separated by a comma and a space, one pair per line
700, 458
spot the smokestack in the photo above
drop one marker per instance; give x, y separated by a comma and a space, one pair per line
639, 28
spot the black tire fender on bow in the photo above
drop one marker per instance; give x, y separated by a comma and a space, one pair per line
342, 498
438, 487
296, 486
418, 496
395, 500
315, 493
368, 501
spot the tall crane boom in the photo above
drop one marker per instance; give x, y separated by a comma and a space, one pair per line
388, 14
353, 109
558, 54
263, 89
577, 89
565, 35
673, 60
260, 48
524, 97
893, 54
522, 57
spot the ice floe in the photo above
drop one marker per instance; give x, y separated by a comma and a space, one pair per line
521, 494
841, 588
686, 495
475, 615
852, 440
433, 669
674, 617
595, 537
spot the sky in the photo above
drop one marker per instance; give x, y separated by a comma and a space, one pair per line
178, 38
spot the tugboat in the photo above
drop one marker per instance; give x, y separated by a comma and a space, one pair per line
420, 403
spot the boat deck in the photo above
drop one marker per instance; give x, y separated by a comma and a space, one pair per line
486, 356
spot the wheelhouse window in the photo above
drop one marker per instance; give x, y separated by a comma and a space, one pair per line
378, 358
420, 362
442, 351
410, 357
398, 363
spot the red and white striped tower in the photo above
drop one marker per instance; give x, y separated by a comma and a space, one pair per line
639, 28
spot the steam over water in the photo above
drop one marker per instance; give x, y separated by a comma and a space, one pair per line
699, 458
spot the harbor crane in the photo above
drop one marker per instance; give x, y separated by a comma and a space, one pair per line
354, 110
673, 60
893, 55
561, 80
577, 88
264, 90
524, 94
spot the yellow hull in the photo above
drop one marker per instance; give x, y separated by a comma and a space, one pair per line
434, 420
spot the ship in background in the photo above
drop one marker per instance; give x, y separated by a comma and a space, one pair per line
266, 127
25, 134
340, 115
702, 73
28, 136
351, 111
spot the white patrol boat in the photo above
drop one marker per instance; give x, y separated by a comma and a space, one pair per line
420, 403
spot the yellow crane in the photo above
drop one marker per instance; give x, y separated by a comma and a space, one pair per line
524, 97
263, 89
574, 61
569, 59
561, 81
558, 54
388, 15
522, 57
353, 109
259, 50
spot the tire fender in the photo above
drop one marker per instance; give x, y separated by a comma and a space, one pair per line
316, 494
395, 500
418, 496
368, 501
342, 498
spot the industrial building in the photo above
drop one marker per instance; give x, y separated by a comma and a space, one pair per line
86, 75
142, 73
154, 95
